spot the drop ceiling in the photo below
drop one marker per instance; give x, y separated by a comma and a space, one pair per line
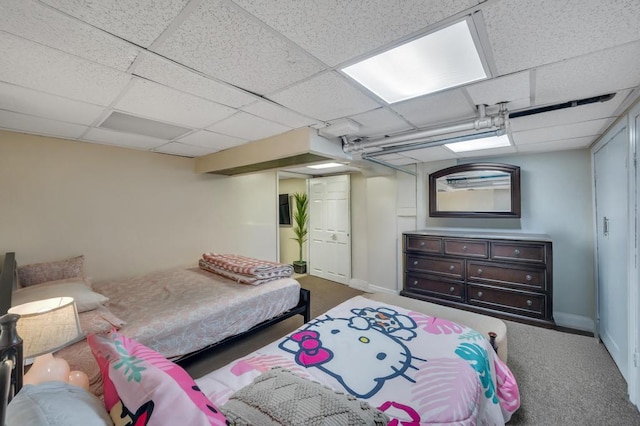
232, 72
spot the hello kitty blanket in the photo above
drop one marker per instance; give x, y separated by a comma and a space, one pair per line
419, 370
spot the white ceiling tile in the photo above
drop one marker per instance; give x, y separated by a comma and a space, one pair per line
27, 101
139, 21
33, 21
279, 114
606, 71
430, 110
525, 33
129, 140
325, 97
249, 127
153, 100
173, 75
435, 153
502, 89
554, 133
212, 140
569, 115
39, 126
336, 31
380, 122
32, 65
177, 148
261, 61
559, 145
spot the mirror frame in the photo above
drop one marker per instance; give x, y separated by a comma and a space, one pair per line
513, 171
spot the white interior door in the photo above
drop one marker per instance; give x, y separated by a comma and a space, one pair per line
612, 225
330, 228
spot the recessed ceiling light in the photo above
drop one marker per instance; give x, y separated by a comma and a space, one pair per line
437, 61
325, 166
478, 144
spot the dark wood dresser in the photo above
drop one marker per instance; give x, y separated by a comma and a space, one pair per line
507, 275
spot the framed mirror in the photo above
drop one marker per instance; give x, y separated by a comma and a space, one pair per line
482, 190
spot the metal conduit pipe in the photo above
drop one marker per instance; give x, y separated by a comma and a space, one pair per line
482, 122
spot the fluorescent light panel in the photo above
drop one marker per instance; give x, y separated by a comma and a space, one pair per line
325, 166
142, 126
437, 61
478, 144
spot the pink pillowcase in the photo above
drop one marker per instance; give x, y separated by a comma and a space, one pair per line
146, 388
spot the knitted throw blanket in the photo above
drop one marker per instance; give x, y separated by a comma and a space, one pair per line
279, 397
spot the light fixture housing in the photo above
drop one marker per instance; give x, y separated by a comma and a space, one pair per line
440, 60
479, 144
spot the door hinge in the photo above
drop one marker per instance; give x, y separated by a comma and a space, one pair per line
635, 358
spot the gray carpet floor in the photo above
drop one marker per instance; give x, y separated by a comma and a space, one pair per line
564, 378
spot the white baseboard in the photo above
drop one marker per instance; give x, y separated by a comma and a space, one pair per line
363, 285
577, 322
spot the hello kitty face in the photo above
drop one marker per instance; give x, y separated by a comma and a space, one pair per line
389, 321
359, 356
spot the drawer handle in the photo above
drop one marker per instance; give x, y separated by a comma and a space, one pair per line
516, 252
415, 262
529, 303
479, 294
415, 282
421, 243
451, 267
528, 277
452, 289
479, 271
464, 248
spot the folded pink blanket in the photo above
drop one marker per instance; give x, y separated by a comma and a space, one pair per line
248, 266
240, 278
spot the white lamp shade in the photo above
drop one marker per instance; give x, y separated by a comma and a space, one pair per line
47, 325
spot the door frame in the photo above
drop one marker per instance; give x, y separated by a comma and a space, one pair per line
633, 300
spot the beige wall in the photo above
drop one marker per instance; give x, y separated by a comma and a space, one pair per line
127, 211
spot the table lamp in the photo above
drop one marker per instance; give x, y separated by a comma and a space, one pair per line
47, 326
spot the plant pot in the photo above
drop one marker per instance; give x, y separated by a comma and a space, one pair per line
300, 267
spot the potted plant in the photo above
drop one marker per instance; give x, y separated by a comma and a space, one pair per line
300, 228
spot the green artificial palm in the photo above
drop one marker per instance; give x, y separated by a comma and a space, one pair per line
300, 220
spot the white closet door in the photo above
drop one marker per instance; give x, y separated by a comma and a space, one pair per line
612, 224
330, 228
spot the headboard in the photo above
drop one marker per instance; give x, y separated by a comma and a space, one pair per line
11, 356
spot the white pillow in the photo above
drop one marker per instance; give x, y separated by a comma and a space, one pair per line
85, 298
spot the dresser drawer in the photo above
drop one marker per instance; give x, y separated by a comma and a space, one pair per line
466, 248
518, 251
423, 244
452, 268
434, 286
506, 274
532, 305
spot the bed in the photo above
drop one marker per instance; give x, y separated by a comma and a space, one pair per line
178, 312
415, 368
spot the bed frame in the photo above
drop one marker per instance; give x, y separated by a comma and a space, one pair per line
11, 356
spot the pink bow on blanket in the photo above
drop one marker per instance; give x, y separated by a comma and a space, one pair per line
311, 351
